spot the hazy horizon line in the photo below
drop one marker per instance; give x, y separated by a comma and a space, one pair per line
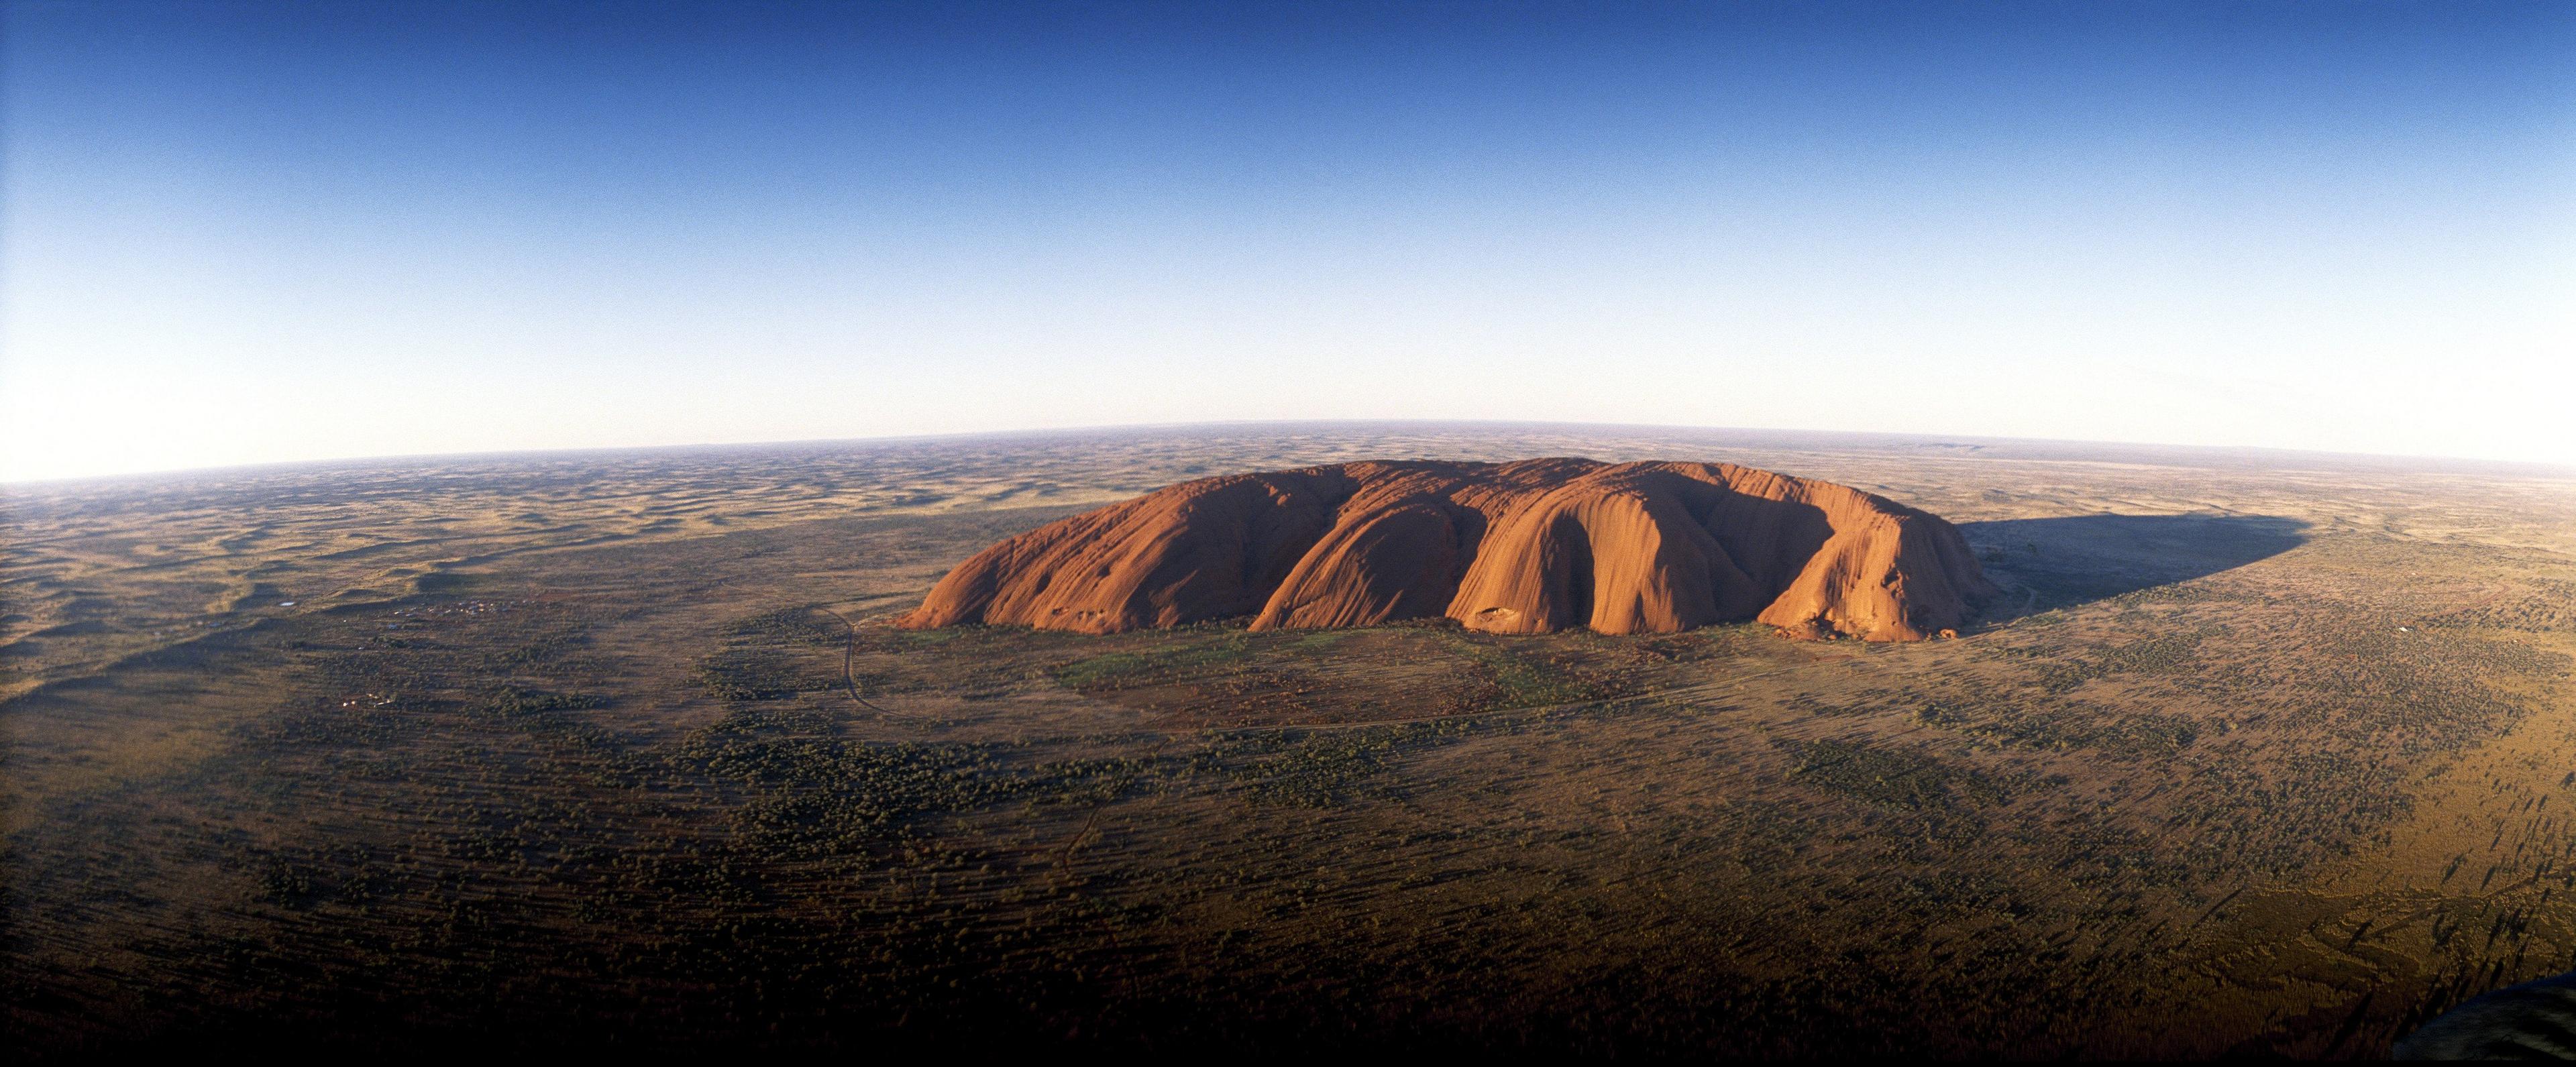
2431, 463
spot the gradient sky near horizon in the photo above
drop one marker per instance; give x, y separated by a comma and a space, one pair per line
255, 232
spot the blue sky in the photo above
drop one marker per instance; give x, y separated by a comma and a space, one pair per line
237, 233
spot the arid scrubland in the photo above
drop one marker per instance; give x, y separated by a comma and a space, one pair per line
2257, 754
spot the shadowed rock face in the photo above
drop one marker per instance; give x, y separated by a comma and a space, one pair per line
1528, 547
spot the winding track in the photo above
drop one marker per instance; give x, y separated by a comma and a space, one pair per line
849, 657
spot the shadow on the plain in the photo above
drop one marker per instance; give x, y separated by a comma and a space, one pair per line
2053, 563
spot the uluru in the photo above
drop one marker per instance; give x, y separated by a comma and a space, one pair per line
1533, 546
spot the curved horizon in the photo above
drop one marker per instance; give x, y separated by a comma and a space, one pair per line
2136, 451
236, 234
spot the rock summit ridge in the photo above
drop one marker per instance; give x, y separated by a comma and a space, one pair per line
1532, 546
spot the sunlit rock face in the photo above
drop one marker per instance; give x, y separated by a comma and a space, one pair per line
1534, 546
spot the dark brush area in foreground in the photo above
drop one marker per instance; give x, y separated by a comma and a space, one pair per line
2248, 760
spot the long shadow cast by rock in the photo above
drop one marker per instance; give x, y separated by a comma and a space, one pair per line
2053, 563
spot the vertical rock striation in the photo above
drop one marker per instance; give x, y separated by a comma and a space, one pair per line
1533, 546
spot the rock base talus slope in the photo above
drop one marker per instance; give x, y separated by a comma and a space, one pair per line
1533, 546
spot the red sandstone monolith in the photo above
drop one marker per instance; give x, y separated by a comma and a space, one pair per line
1534, 546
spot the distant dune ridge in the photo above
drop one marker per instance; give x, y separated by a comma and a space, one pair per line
1533, 546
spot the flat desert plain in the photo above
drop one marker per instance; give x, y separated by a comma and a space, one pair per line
2257, 754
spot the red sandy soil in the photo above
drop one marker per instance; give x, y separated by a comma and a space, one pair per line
1533, 546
